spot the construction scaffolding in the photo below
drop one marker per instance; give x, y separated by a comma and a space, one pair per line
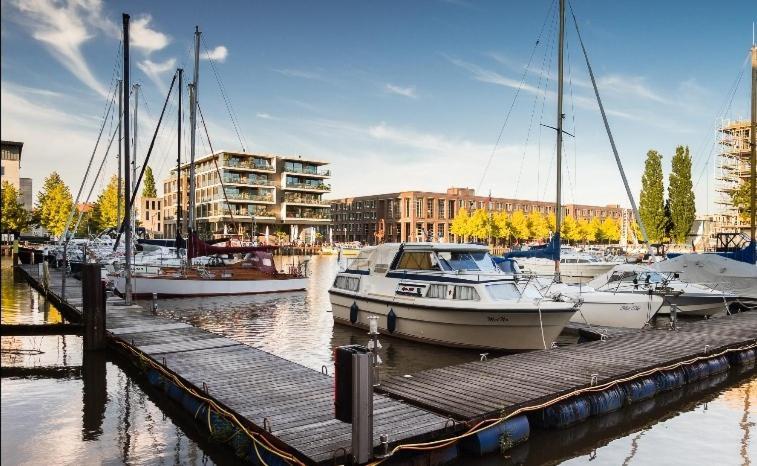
732, 171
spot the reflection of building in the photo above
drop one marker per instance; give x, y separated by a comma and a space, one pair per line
417, 216
279, 193
732, 171
149, 213
10, 171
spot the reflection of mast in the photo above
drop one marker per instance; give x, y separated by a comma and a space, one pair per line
634, 448
745, 424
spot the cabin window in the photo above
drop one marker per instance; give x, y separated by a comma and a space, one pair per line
418, 261
503, 291
347, 283
437, 291
465, 293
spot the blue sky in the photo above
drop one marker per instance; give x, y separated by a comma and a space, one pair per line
396, 95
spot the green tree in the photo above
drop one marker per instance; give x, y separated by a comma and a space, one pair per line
652, 199
538, 226
681, 195
13, 217
460, 226
519, 226
149, 187
106, 207
741, 200
54, 203
569, 229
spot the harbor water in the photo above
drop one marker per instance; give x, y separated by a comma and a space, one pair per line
60, 406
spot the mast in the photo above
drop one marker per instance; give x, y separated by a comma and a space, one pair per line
134, 155
178, 161
753, 143
120, 122
558, 200
193, 115
127, 160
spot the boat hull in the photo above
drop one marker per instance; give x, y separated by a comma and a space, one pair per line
506, 330
165, 287
618, 310
569, 273
697, 304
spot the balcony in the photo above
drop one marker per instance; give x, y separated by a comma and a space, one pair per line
311, 171
322, 187
248, 181
308, 214
244, 197
248, 164
296, 198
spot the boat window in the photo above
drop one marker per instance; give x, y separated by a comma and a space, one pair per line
465, 293
437, 291
458, 261
418, 261
503, 291
347, 283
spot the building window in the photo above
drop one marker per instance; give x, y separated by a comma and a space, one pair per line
419, 208
430, 208
407, 208
147, 215
441, 209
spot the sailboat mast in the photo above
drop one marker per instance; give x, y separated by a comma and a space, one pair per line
178, 160
120, 122
127, 161
134, 153
558, 199
753, 143
193, 114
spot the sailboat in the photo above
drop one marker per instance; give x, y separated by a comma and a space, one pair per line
252, 270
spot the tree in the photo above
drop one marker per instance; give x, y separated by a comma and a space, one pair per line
106, 207
569, 229
596, 228
13, 217
652, 199
681, 195
54, 203
552, 222
480, 225
537, 226
461, 224
741, 200
519, 225
586, 231
501, 225
149, 188
609, 230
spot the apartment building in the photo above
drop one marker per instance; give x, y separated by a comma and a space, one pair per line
427, 216
252, 192
10, 171
149, 213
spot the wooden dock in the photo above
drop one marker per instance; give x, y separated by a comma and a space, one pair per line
502, 385
293, 405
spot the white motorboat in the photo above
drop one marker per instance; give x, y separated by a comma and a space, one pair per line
445, 294
690, 298
575, 267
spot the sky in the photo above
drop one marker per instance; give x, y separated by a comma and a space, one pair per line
395, 95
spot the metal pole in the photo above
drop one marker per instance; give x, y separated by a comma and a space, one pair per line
362, 408
120, 122
558, 201
178, 162
193, 114
753, 143
127, 159
134, 157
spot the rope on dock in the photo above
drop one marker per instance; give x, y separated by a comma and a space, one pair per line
257, 438
488, 423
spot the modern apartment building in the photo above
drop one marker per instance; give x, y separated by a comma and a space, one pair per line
263, 193
149, 213
426, 216
10, 171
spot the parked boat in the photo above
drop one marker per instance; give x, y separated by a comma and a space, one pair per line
345, 249
575, 267
445, 294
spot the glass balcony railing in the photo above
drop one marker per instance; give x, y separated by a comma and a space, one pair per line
244, 197
317, 187
310, 214
248, 181
293, 198
254, 164
307, 171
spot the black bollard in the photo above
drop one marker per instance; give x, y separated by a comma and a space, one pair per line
93, 303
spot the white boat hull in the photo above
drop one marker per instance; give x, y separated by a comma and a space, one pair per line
511, 329
145, 286
569, 273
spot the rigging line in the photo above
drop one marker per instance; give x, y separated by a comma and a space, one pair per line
542, 79
226, 100
94, 181
218, 171
515, 98
89, 166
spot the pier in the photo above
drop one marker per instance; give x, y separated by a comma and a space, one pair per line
274, 411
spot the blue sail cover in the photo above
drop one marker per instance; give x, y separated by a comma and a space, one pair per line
549, 251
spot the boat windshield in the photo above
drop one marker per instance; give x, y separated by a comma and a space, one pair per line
641, 277
471, 261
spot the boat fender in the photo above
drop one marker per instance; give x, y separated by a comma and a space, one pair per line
391, 321
353, 312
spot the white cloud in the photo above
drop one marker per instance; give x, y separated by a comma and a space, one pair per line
403, 91
218, 54
632, 86
62, 29
143, 37
156, 71
265, 116
294, 73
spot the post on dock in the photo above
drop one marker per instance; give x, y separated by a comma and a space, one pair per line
362, 408
93, 301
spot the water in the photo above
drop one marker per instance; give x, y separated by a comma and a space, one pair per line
73, 409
